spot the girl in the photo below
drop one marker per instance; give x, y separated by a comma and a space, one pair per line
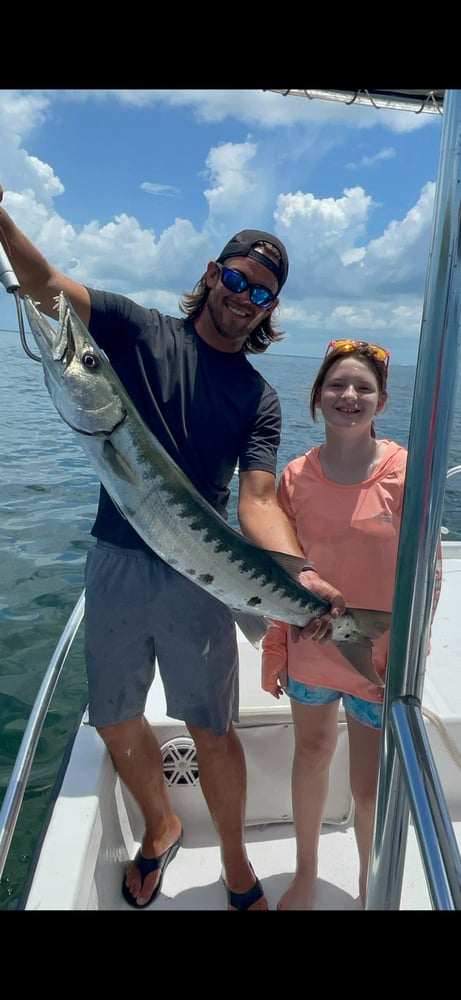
344, 500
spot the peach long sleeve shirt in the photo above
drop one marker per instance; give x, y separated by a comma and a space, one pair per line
351, 534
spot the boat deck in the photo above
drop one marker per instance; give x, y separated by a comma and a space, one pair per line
103, 825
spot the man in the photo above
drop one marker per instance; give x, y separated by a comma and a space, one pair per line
195, 388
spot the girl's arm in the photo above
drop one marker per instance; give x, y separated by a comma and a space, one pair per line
274, 659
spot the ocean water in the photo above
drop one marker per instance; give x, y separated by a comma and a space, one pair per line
48, 498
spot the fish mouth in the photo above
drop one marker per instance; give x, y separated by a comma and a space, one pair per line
62, 345
58, 344
61, 342
65, 347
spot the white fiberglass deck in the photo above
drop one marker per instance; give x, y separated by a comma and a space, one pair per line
95, 828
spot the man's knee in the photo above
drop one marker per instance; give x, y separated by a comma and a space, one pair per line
120, 732
208, 741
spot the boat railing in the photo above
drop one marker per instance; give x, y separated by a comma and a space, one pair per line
407, 774
20, 775
427, 804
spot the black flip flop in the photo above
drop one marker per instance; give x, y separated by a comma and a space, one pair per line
148, 865
243, 900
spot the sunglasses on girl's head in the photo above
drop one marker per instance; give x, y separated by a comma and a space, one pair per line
236, 282
344, 346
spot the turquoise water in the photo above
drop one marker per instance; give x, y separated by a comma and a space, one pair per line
48, 498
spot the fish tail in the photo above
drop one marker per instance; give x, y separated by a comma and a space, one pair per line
360, 655
359, 650
371, 624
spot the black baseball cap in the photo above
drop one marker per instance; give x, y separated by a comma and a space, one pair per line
242, 245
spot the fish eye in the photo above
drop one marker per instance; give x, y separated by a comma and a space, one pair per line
89, 360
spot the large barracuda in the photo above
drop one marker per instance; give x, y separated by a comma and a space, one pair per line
163, 506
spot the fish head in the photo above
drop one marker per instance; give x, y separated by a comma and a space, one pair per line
78, 375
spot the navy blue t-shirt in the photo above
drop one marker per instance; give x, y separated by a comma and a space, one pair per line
210, 410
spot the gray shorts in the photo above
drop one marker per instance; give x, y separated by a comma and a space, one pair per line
137, 608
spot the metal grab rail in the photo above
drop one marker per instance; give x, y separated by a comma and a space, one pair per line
434, 400
434, 830
26, 753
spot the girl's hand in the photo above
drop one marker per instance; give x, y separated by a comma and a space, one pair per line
275, 685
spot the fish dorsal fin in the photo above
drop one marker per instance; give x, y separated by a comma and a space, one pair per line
291, 564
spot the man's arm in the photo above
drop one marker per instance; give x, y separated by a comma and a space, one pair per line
36, 276
265, 523
260, 516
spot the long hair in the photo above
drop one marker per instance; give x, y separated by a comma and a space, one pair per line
193, 303
365, 353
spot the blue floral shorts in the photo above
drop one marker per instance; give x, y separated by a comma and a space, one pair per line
369, 713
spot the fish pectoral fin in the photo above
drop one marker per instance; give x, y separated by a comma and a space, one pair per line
118, 463
360, 654
254, 627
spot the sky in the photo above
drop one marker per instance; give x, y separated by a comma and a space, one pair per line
135, 191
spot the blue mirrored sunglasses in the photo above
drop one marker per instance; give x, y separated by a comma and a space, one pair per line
236, 282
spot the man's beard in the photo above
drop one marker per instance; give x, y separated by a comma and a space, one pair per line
226, 331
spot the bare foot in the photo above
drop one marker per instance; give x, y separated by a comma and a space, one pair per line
300, 893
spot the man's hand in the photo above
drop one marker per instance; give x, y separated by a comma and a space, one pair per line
320, 629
